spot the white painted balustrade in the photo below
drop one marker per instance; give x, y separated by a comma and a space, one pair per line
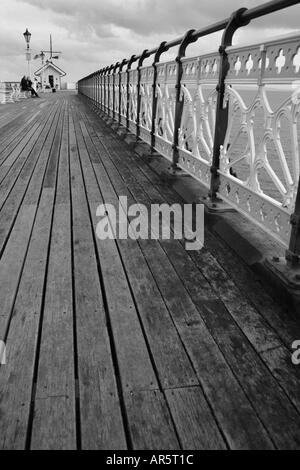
10, 92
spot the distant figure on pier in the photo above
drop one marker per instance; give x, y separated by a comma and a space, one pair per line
31, 88
24, 84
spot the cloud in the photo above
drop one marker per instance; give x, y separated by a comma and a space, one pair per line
151, 16
96, 33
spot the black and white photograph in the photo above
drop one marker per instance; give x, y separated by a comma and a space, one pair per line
149, 228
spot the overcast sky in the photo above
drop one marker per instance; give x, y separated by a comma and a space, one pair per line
96, 33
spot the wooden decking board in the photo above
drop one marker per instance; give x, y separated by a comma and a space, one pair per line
150, 422
37, 159
292, 390
10, 173
128, 334
55, 391
144, 412
15, 171
15, 127
54, 406
226, 321
169, 349
174, 369
148, 411
251, 322
16, 378
22, 423
14, 258
190, 342
196, 427
15, 137
26, 143
43, 149
215, 310
279, 362
280, 317
100, 413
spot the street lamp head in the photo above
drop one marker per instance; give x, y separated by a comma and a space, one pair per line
27, 36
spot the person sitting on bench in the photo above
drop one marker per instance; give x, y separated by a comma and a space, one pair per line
30, 88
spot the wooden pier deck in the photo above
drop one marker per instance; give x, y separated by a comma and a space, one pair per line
126, 344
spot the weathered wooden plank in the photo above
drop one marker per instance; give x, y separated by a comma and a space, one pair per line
128, 336
54, 422
279, 361
242, 432
235, 414
145, 413
172, 363
13, 138
10, 173
100, 414
41, 168
259, 333
50, 177
255, 333
16, 378
280, 317
25, 145
36, 163
11, 125
13, 257
150, 422
195, 425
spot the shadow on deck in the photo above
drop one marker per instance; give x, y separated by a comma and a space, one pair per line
126, 344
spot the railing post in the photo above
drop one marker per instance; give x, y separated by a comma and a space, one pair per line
106, 91
293, 253
123, 63
101, 90
188, 39
162, 48
234, 23
94, 88
97, 89
114, 89
144, 56
109, 90
130, 62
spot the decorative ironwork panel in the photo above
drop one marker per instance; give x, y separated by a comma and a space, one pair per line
124, 98
271, 217
197, 126
165, 112
116, 100
132, 104
260, 155
209, 68
146, 94
111, 92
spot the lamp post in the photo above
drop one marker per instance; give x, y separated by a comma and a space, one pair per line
27, 36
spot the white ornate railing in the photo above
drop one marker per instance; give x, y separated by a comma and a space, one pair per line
264, 151
215, 117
